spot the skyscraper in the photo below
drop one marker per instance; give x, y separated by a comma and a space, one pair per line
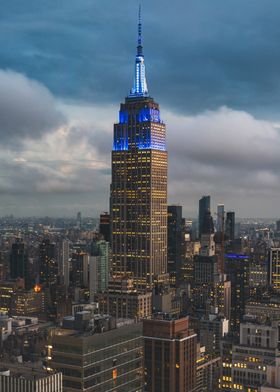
63, 261
230, 225
104, 226
204, 207
139, 184
176, 243
207, 235
220, 217
47, 263
274, 269
170, 348
19, 263
237, 271
98, 268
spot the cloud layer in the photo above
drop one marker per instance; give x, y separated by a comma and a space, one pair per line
27, 108
56, 161
228, 154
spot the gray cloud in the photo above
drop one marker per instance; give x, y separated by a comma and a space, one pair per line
228, 154
27, 109
208, 153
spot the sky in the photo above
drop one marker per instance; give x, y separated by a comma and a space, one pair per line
65, 67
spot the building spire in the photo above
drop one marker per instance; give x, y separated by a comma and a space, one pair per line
139, 47
140, 88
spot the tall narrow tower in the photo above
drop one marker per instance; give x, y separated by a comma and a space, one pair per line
139, 184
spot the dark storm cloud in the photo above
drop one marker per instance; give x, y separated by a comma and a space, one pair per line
200, 54
27, 109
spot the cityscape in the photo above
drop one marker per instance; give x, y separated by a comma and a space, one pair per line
146, 295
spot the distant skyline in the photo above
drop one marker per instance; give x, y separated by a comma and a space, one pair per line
65, 67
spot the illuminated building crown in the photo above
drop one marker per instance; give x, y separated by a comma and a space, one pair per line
140, 87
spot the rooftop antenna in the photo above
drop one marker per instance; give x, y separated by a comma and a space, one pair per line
140, 48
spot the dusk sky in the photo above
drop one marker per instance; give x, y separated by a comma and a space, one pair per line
213, 66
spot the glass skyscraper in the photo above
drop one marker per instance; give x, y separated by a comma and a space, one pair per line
139, 184
204, 207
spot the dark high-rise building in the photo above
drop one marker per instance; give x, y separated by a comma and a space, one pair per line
48, 264
274, 269
79, 219
230, 225
220, 217
204, 207
237, 271
63, 261
104, 226
207, 235
170, 350
79, 269
204, 272
19, 262
176, 242
139, 185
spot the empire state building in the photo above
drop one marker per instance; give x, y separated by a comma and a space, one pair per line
139, 185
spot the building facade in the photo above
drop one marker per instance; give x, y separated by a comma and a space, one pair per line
170, 350
48, 265
139, 185
220, 217
98, 268
121, 300
237, 268
109, 358
257, 349
105, 226
19, 262
208, 371
47, 383
176, 243
204, 206
63, 261
274, 269
230, 225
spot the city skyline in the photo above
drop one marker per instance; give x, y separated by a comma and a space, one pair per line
64, 75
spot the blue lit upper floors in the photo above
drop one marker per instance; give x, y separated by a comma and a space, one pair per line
140, 126
141, 136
